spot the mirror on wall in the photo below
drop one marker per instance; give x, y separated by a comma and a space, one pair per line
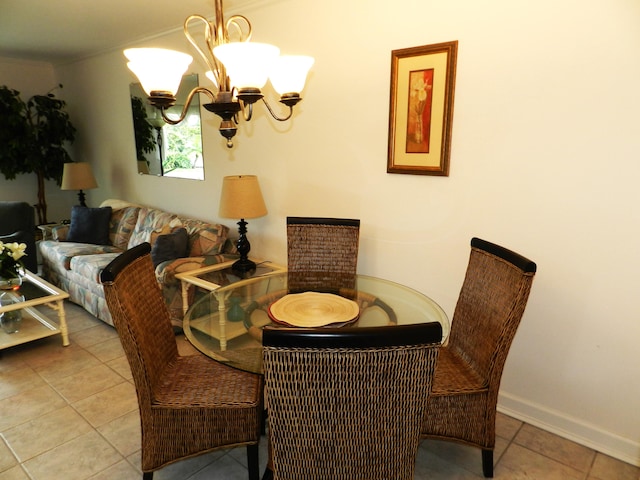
168, 150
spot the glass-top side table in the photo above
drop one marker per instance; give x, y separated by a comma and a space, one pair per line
35, 292
213, 277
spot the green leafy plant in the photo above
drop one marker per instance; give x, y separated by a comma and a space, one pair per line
143, 130
33, 135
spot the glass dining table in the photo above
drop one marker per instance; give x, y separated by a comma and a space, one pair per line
226, 324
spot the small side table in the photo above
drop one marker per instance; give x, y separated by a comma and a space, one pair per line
47, 230
211, 278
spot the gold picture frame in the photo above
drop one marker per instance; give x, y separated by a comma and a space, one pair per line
421, 109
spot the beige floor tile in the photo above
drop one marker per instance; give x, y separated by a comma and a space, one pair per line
507, 427
463, 456
520, 463
86, 382
62, 362
12, 359
187, 468
96, 334
124, 433
108, 405
77, 318
121, 366
28, 405
7, 459
15, 381
608, 468
15, 473
107, 350
46, 432
78, 459
560, 449
430, 465
120, 471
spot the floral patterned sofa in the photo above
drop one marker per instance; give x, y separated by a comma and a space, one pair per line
75, 266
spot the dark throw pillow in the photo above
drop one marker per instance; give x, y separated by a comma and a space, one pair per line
170, 246
89, 225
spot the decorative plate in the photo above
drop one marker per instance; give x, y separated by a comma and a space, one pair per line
313, 309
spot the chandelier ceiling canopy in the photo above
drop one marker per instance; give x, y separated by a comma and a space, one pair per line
237, 67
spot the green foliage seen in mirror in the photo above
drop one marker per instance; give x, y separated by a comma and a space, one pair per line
163, 149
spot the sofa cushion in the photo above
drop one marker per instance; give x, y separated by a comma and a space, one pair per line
89, 225
61, 253
170, 246
123, 221
205, 238
89, 267
149, 221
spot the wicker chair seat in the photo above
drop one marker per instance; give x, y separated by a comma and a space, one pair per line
456, 376
187, 382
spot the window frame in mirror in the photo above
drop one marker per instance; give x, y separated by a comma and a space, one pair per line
152, 134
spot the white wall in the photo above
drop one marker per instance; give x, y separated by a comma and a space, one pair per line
33, 78
544, 161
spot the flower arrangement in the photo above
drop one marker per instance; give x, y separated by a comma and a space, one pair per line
11, 265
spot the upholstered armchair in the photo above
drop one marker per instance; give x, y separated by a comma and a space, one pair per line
17, 224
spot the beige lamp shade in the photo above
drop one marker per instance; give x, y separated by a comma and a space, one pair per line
241, 197
78, 176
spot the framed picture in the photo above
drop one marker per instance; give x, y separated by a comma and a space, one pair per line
421, 109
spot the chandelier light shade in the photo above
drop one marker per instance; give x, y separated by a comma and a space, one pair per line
241, 198
157, 69
237, 67
289, 73
78, 176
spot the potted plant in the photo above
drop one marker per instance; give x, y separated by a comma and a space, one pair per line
32, 136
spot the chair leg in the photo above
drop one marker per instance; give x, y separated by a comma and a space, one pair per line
253, 462
487, 463
147, 475
268, 474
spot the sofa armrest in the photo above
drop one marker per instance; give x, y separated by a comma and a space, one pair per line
60, 232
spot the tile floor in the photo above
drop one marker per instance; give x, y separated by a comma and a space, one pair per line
71, 414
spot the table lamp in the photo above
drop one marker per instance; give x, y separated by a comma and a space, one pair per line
241, 198
78, 176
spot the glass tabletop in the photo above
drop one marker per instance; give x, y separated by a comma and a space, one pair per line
33, 291
227, 323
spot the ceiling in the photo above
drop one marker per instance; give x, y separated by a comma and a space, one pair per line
65, 30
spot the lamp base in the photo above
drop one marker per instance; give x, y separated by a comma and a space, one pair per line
244, 267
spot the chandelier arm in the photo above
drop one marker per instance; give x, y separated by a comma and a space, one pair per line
244, 107
235, 21
208, 58
274, 115
187, 104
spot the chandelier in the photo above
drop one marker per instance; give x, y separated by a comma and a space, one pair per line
238, 69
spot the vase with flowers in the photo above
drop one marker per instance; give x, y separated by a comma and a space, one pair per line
11, 266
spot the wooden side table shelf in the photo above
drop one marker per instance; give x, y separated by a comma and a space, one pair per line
211, 278
37, 292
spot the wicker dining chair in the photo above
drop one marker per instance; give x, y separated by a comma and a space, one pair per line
322, 253
188, 404
462, 404
347, 403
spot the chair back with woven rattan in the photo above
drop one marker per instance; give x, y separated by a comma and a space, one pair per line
462, 405
322, 253
141, 317
347, 403
490, 306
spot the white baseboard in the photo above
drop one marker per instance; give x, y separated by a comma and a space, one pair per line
570, 428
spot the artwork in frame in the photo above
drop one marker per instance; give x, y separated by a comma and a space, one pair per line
421, 109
